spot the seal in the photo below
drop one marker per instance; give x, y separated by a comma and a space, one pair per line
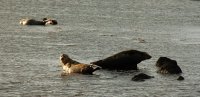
125, 60
45, 21
31, 22
50, 21
72, 66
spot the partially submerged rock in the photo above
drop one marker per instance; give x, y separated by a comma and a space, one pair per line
125, 60
141, 77
168, 66
180, 78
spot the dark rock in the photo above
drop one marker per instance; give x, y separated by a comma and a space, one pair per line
167, 66
125, 60
180, 78
141, 77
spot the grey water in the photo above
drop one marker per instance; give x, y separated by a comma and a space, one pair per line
89, 30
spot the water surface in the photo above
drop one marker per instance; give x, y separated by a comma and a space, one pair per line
90, 30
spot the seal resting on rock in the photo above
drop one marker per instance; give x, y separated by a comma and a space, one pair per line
125, 60
72, 66
45, 21
141, 77
168, 66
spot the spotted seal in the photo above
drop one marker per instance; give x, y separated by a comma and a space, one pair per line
72, 66
45, 21
50, 21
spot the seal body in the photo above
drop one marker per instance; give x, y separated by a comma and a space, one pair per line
125, 60
44, 21
31, 22
50, 21
72, 66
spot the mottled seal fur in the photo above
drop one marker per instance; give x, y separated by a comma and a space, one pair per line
50, 21
72, 66
45, 21
125, 60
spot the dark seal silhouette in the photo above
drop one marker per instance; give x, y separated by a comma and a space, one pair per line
141, 77
125, 60
72, 66
168, 66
